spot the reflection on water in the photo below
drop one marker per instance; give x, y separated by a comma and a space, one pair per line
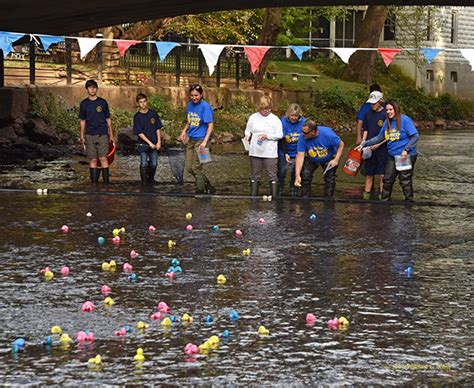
351, 261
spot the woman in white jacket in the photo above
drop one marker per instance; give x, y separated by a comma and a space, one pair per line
264, 129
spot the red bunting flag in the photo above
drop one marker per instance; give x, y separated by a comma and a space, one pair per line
388, 54
123, 45
255, 55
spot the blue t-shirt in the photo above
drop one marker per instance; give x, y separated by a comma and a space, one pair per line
322, 148
373, 121
398, 140
147, 123
363, 110
95, 112
198, 116
291, 134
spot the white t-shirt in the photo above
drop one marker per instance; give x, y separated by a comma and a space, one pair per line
259, 125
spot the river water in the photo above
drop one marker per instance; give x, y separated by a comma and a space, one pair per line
350, 261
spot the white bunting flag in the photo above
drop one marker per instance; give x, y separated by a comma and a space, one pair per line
87, 44
469, 55
344, 53
211, 54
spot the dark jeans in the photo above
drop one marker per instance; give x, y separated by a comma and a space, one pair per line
404, 177
148, 157
307, 176
283, 168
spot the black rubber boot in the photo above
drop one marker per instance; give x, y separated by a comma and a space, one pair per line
200, 184
105, 174
94, 172
210, 189
151, 174
254, 188
274, 189
330, 183
143, 175
388, 179
406, 181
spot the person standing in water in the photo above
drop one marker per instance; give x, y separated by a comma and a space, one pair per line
365, 107
96, 131
196, 135
147, 126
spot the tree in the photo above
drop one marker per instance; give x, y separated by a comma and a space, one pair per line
361, 63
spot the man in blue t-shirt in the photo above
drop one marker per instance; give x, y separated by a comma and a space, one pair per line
373, 122
147, 126
96, 131
362, 111
319, 146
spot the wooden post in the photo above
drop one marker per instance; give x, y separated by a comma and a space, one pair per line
218, 73
2, 70
237, 70
32, 62
127, 64
153, 63
200, 67
178, 65
68, 61
100, 48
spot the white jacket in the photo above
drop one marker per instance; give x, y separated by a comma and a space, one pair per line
259, 125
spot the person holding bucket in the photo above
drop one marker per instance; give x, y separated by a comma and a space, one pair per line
365, 107
196, 135
319, 146
375, 156
402, 136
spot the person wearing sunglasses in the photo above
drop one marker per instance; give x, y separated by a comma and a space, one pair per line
319, 146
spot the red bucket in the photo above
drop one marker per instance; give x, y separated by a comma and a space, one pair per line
353, 162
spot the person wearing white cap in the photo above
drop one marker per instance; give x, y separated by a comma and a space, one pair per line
362, 111
375, 156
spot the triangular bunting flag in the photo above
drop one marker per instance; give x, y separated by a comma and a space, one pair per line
344, 53
6, 42
211, 53
86, 45
255, 55
164, 48
299, 50
48, 40
388, 54
469, 55
430, 53
123, 45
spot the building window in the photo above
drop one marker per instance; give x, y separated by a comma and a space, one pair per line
454, 27
454, 76
389, 28
430, 75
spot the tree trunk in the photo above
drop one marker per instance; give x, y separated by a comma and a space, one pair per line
270, 30
361, 63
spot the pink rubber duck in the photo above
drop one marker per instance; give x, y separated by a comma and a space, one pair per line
156, 316
261, 221
310, 319
238, 233
116, 240
333, 323
46, 269
127, 267
65, 271
88, 307
121, 333
65, 228
105, 290
164, 308
190, 349
170, 275
151, 228
189, 228
133, 254
81, 336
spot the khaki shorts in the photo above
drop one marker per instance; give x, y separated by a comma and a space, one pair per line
97, 146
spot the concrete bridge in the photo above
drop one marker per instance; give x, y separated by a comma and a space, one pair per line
63, 17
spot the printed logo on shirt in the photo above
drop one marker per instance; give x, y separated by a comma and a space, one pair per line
152, 120
98, 109
380, 123
392, 134
318, 152
193, 119
292, 137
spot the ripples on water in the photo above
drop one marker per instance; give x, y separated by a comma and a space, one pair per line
349, 262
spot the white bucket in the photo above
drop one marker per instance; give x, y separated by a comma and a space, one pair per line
403, 163
246, 144
204, 155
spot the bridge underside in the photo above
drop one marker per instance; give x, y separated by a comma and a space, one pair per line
55, 17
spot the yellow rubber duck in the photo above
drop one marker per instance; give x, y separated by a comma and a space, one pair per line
105, 266
343, 322
122, 230
189, 216
186, 318
115, 232
214, 342
246, 252
139, 357
262, 330
221, 279
65, 339
112, 264
97, 360
109, 301
205, 347
171, 243
48, 275
142, 325
166, 322
56, 330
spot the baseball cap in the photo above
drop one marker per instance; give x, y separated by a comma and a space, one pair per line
375, 97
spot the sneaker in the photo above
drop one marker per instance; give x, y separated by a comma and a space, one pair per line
366, 196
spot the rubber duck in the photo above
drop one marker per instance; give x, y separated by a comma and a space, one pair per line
164, 308
155, 316
88, 307
343, 322
18, 345
310, 319
333, 323
186, 318
178, 269
127, 268
116, 240
261, 221
170, 275
313, 217
90, 336
132, 278
122, 332
205, 347
225, 334
81, 336
109, 301
65, 271
142, 325
65, 228
166, 322
233, 315
221, 279
115, 232
409, 271
105, 266
48, 341
133, 254
46, 269
88, 214
113, 264
139, 357
262, 330
175, 262
246, 252
56, 330
170, 269
105, 290
189, 216
48, 275
214, 342
65, 339
238, 233
122, 230
151, 229
127, 328
189, 228
215, 227
190, 349
209, 319
97, 360
101, 240
171, 243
